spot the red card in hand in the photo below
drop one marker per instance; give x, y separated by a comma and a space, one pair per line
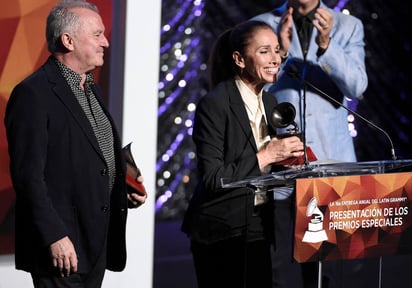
136, 186
132, 173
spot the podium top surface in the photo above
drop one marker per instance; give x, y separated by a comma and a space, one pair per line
287, 177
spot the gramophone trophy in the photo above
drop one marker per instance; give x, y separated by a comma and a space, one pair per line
283, 116
132, 173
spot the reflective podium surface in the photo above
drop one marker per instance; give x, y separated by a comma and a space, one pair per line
286, 178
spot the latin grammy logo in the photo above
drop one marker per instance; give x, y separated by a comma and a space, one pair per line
315, 232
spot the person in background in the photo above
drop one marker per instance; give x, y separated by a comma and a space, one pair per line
66, 161
230, 228
326, 48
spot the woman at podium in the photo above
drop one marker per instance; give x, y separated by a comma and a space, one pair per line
231, 228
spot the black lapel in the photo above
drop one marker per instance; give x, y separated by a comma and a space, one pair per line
66, 96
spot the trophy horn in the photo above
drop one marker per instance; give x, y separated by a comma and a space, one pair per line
283, 115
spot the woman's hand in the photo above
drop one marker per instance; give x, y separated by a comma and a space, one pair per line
277, 150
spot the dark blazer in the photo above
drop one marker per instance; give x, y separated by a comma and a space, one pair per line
60, 176
225, 149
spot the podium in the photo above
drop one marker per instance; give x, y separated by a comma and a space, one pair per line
287, 178
345, 210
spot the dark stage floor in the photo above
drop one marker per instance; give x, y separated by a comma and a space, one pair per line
173, 266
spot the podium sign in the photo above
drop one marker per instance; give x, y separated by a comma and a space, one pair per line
353, 216
345, 210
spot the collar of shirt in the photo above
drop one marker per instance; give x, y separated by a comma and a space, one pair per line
304, 27
250, 99
304, 19
74, 79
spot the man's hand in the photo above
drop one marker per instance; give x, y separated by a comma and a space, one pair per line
285, 32
323, 22
135, 200
64, 256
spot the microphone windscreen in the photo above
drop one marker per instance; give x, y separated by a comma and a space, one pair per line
293, 71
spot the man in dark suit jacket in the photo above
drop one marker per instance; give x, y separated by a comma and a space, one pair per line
66, 160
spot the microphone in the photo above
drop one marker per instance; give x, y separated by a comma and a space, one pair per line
293, 72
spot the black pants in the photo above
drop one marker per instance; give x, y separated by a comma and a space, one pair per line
232, 263
286, 272
93, 279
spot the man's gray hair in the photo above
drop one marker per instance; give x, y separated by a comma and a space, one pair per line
62, 19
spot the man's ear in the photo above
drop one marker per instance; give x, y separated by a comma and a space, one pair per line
67, 41
239, 60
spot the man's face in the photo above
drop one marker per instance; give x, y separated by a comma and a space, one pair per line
89, 41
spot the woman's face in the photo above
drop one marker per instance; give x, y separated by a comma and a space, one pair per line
261, 60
